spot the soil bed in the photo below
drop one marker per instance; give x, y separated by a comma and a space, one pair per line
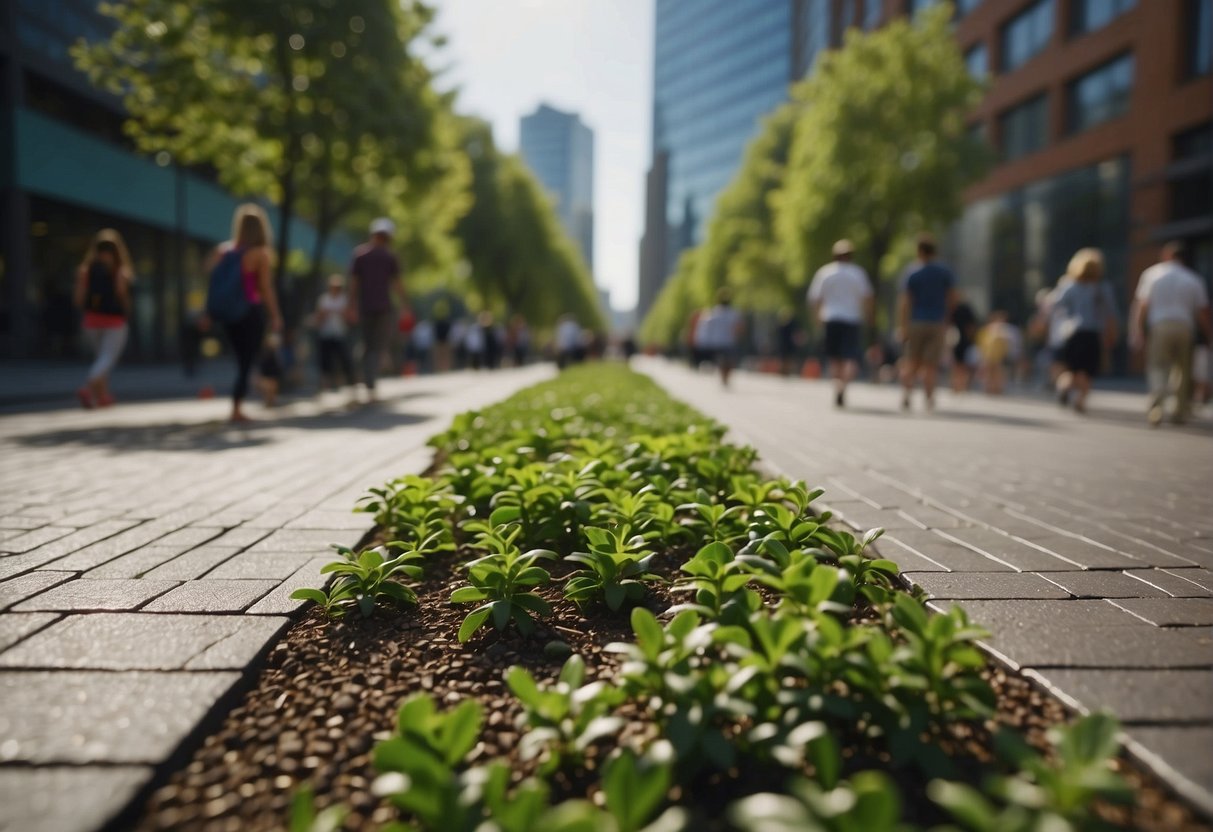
330, 689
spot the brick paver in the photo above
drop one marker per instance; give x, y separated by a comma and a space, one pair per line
146, 562
1083, 544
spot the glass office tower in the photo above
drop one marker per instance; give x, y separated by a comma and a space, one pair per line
559, 149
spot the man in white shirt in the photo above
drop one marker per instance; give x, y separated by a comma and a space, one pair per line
841, 297
721, 330
1170, 302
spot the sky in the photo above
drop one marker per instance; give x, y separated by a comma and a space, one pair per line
592, 57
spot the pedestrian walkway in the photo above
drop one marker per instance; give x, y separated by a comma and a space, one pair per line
1084, 544
147, 555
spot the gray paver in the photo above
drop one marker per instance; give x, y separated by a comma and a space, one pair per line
1016, 553
1171, 612
239, 537
267, 564
1173, 582
949, 553
1103, 584
193, 564
1137, 695
33, 798
1200, 577
144, 641
279, 601
312, 540
1186, 749
333, 519
18, 589
83, 595
211, 596
33, 539
973, 585
1093, 556
113, 717
89, 557
15, 626
79, 540
136, 563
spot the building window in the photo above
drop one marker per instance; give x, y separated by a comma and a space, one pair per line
917, 6
1190, 183
1101, 94
977, 61
1089, 15
871, 13
1024, 129
1200, 38
1027, 34
963, 7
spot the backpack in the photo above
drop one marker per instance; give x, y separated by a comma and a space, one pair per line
226, 299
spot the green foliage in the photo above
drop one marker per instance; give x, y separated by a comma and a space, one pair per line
364, 579
503, 580
617, 565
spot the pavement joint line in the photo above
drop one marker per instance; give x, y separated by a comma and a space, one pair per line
979, 551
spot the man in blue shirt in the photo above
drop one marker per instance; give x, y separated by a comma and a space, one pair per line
928, 295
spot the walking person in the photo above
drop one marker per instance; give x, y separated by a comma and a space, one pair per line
336, 367
964, 332
568, 341
374, 280
927, 299
722, 333
1170, 304
103, 292
241, 296
1087, 319
841, 297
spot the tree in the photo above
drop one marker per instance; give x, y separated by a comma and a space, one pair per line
881, 149
290, 101
521, 260
666, 323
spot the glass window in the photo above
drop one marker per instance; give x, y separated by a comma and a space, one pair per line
871, 13
919, 5
1101, 94
1200, 38
1027, 34
977, 61
1089, 15
963, 7
1024, 129
1191, 185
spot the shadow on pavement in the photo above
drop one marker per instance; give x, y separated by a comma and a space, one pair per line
951, 415
218, 435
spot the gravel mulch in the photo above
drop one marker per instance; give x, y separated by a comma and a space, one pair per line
330, 689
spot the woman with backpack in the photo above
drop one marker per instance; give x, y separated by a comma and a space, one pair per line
241, 295
103, 292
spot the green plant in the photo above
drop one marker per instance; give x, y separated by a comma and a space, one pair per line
940, 664
617, 565
503, 580
718, 581
363, 579
868, 802
1044, 793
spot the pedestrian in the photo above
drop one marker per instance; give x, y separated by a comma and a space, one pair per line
722, 333
962, 338
422, 344
490, 336
928, 296
519, 337
1170, 304
788, 342
568, 341
442, 337
270, 370
841, 297
103, 293
332, 335
241, 296
374, 282
1087, 320
474, 344
999, 344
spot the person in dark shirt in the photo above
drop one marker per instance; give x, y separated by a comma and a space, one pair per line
374, 280
964, 324
928, 296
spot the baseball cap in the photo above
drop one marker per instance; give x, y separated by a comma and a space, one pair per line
383, 226
843, 247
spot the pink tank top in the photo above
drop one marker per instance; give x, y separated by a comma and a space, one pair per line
252, 289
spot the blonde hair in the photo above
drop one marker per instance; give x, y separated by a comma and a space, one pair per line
1086, 265
107, 239
251, 227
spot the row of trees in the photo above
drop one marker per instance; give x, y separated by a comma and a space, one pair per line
873, 146
328, 109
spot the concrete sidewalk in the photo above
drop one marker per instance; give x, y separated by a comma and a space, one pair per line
1084, 544
147, 553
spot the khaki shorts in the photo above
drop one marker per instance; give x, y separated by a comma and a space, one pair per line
925, 342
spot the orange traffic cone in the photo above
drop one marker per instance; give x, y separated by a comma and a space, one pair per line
811, 369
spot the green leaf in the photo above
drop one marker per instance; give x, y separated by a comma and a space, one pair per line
461, 731
307, 594
523, 686
632, 795
473, 621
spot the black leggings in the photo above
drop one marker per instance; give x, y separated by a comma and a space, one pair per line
335, 360
245, 336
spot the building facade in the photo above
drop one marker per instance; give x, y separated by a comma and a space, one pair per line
68, 170
1099, 112
559, 149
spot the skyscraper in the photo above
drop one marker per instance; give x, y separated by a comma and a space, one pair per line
559, 149
719, 67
